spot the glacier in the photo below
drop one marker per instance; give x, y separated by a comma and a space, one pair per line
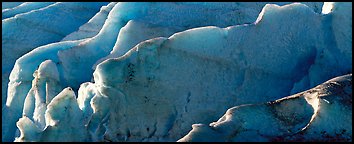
23, 8
153, 71
311, 115
93, 26
42, 26
9, 5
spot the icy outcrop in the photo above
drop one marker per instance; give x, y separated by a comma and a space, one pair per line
323, 113
45, 86
42, 32
64, 121
29, 131
19, 88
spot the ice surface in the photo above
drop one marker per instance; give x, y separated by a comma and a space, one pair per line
63, 118
93, 26
42, 26
75, 61
335, 56
159, 70
220, 67
23, 8
29, 131
21, 84
26, 31
60, 53
323, 113
44, 87
155, 21
327, 7
8, 5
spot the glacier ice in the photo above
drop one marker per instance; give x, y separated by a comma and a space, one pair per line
93, 26
98, 46
312, 115
186, 15
63, 119
44, 87
157, 65
23, 8
42, 26
202, 52
8, 5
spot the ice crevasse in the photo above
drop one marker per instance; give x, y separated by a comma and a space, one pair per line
162, 86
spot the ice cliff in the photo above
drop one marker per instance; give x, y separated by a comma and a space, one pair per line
153, 71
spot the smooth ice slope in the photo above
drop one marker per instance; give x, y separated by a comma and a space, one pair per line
323, 113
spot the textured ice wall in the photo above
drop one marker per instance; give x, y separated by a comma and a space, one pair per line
155, 98
335, 57
75, 59
100, 116
323, 113
19, 89
8, 5
21, 76
64, 121
26, 31
41, 27
156, 20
